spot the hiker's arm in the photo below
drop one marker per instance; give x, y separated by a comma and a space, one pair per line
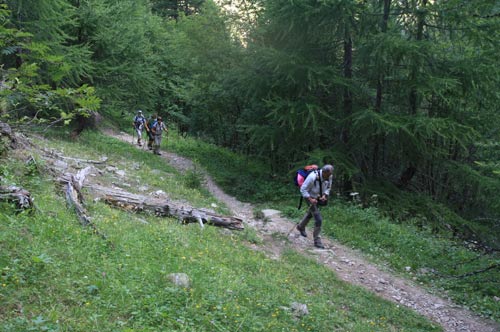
306, 186
329, 186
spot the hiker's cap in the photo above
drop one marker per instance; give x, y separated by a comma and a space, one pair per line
139, 111
159, 118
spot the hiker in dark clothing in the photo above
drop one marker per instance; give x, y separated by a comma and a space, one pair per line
139, 123
315, 190
157, 130
149, 124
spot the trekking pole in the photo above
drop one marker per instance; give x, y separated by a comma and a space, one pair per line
291, 230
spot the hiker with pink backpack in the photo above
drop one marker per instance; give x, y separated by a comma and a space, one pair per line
315, 191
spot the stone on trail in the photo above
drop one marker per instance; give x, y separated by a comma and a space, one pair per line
269, 213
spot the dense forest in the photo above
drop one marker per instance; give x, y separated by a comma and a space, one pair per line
400, 95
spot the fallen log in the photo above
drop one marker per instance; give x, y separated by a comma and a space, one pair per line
74, 198
19, 196
163, 207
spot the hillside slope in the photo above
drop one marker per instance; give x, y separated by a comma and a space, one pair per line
278, 235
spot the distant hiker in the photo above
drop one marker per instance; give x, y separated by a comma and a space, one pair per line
149, 124
139, 123
157, 130
315, 190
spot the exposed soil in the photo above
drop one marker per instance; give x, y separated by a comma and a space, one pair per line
348, 264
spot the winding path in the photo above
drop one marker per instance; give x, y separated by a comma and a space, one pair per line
348, 264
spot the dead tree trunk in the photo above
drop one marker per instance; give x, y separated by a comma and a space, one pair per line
139, 203
19, 196
164, 208
74, 197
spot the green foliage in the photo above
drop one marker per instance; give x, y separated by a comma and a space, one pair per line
60, 62
37, 65
240, 176
125, 41
200, 53
172, 8
194, 179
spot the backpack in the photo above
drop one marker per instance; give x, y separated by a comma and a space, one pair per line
151, 123
138, 120
301, 175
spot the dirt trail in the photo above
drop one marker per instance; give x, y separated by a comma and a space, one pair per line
348, 264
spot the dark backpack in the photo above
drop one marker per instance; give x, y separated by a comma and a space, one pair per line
138, 120
301, 175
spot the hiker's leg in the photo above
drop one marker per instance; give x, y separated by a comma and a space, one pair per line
139, 134
318, 221
150, 140
157, 144
305, 220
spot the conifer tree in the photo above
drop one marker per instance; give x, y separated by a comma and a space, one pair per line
126, 41
201, 51
41, 72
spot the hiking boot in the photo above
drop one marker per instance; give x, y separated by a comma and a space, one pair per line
302, 231
319, 245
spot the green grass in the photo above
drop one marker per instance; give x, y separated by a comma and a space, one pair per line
433, 256
57, 276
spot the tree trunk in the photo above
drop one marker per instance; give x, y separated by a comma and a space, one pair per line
383, 29
163, 208
74, 197
348, 77
19, 196
347, 182
139, 203
413, 98
380, 86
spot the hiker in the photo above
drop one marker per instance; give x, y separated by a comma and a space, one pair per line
139, 122
315, 191
149, 124
157, 130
